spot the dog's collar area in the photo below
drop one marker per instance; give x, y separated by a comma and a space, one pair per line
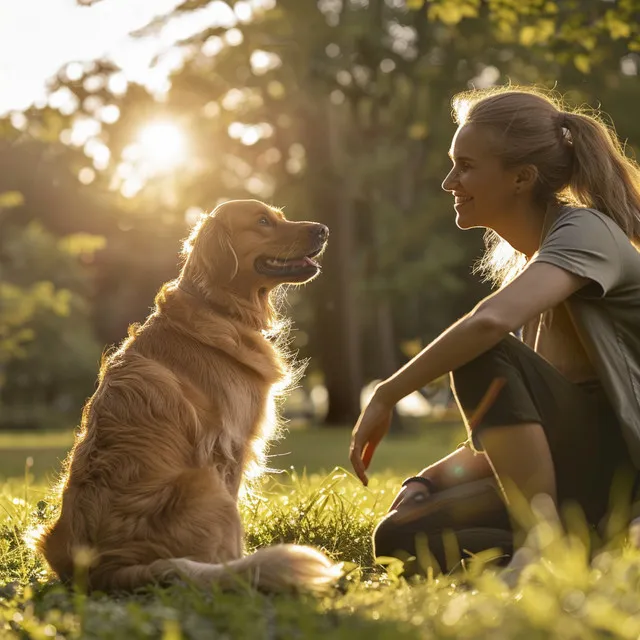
218, 308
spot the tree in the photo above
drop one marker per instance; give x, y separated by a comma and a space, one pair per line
284, 78
48, 352
331, 109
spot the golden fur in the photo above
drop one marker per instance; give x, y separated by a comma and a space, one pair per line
182, 412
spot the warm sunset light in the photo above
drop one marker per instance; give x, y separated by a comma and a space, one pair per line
162, 146
288, 264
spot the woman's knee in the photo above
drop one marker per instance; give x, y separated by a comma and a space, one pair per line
493, 388
388, 539
484, 367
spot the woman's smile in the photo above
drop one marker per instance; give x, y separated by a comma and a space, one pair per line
460, 200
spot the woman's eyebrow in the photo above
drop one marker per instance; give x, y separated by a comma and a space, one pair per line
459, 158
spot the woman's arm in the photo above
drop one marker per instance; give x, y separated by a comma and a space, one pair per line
540, 287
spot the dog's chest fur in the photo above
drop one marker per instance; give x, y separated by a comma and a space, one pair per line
227, 376
236, 413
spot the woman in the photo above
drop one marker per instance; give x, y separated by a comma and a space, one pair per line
557, 413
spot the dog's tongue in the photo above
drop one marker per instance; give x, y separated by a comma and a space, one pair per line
296, 262
302, 262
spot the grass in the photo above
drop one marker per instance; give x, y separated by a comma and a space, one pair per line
565, 595
314, 449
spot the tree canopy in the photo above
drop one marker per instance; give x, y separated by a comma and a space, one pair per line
337, 110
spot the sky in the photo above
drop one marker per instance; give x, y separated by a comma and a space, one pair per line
38, 37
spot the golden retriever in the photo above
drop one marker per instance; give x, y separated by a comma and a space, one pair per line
182, 412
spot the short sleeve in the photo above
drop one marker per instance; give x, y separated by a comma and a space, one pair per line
582, 243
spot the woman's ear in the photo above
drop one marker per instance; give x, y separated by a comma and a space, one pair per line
526, 178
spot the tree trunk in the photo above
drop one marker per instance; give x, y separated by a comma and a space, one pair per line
337, 326
387, 356
386, 345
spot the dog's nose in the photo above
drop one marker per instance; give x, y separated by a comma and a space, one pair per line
320, 231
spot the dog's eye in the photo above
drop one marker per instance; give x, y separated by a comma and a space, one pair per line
264, 221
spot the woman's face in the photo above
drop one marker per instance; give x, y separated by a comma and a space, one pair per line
484, 190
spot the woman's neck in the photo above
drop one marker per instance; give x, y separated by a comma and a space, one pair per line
528, 226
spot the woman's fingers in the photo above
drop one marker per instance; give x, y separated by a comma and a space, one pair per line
369, 450
355, 456
355, 453
366, 436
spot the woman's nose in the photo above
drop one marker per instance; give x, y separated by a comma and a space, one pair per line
448, 184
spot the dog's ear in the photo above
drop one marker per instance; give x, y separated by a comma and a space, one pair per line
209, 250
224, 259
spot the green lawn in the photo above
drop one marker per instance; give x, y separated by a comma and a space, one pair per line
568, 594
315, 449
563, 596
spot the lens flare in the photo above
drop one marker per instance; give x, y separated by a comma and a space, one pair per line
162, 146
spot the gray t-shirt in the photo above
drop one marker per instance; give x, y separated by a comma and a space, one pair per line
606, 312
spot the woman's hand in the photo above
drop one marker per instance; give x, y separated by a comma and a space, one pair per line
373, 425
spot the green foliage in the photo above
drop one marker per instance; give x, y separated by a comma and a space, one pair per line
48, 352
18, 306
348, 124
565, 25
451, 12
563, 595
11, 199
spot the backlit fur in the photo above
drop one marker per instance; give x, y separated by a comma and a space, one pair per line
182, 413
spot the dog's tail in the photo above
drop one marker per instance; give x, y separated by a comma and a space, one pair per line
280, 568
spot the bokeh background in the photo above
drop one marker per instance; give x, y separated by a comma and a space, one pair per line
122, 121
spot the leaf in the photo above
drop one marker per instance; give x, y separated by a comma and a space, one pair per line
78, 244
415, 4
418, 131
10, 199
538, 34
582, 63
527, 35
617, 28
452, 12
546, 29
171, 630
411, 348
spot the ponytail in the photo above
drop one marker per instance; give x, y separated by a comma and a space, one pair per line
603, 177
579, 159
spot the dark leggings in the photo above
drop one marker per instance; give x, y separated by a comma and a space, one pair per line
582, 431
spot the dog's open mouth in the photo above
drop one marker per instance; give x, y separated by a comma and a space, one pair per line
295, 268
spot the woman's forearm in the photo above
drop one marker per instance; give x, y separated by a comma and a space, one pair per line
462, 342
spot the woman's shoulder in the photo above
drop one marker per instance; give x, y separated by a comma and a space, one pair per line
587, 221
571, 212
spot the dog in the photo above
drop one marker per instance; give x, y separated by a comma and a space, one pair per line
182, 413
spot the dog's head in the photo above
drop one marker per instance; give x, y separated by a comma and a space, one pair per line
247, 245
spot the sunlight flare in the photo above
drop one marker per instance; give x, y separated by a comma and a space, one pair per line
162, 146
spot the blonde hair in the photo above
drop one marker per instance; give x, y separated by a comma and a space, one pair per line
579, 159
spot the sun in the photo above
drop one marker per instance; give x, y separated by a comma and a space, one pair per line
162, 146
